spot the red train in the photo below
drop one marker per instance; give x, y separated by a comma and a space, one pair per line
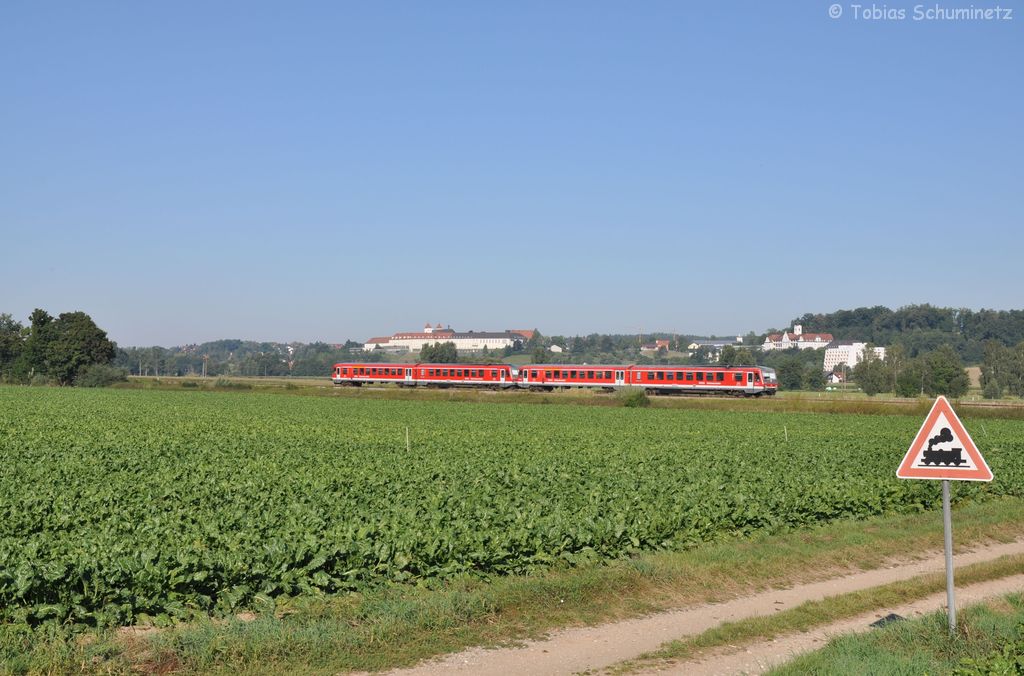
750, 381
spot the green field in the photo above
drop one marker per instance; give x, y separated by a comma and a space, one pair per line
116, 505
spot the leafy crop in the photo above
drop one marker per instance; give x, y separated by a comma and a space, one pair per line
119, 504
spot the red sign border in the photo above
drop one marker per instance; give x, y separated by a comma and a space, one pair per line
908, 471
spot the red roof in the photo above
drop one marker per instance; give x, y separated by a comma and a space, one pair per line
379, 339
525, 333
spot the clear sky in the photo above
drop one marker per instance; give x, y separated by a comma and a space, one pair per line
187, 171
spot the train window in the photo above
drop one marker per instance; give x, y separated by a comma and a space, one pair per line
738, 377
472, 373
444, 372
720, 376
670, 376
534, 374
494, 374
430, 372
689, 375
700, 375
661, 375
547, 374
608, 375
572, 374
558, 374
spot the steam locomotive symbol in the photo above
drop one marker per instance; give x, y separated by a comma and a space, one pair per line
940, 457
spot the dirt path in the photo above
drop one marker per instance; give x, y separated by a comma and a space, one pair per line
574, 650
760, 658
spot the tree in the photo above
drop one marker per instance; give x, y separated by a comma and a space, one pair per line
37, 343
76, 342
945, 373
790, 373
992, 390
871, 374
895, 359
812, 378
540, 356
734, 356
440, 353
11, 344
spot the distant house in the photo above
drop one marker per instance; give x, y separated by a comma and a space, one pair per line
656, 345
834, 378
797, 338
556, 349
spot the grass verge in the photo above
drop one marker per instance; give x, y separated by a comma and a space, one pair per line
789, 402
813, 614
990, 640
399, 625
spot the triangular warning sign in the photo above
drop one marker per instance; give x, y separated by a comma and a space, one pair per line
943, 449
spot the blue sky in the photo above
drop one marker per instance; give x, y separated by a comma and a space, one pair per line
321, 171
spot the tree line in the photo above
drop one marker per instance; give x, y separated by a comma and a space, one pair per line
920, 329
65, 350
939, 371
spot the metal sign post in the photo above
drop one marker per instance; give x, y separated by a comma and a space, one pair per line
944, 450
947, 525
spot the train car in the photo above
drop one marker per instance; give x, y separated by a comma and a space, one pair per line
436, 375
724, 380
361, 374
482, 375
730, 380
550, 376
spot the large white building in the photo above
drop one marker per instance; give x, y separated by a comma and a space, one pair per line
847, 352
468, 341
796, 338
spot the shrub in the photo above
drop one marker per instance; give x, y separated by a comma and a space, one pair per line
634, 397
100, 375
992, 390
225, 384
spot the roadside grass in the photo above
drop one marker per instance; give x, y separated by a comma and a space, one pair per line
807, 616
399, 625
786, 402
988, 641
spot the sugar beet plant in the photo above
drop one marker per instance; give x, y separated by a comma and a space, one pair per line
120, 504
